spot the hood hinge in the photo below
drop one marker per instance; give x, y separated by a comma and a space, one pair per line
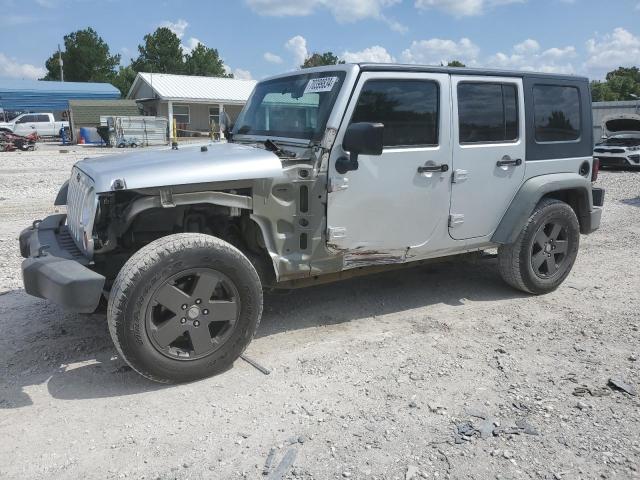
166, 198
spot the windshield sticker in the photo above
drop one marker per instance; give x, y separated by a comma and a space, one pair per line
317, 85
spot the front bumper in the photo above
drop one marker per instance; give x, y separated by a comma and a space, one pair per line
618, 159
55, 269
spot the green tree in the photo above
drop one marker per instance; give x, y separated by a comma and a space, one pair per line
206, 62
86, 58
321, 59
620, 84
124, 79
455, 63
161, 53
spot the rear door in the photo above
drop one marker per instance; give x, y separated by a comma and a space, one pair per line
390, 204
45, 125
488, 152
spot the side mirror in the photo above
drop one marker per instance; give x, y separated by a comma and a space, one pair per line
360, 138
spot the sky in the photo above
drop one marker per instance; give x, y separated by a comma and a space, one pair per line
259, 38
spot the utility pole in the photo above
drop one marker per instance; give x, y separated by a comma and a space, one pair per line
60, 63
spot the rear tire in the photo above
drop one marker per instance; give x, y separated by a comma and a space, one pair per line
154, 332
543, 254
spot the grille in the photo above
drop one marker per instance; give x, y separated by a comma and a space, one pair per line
67, 242
80, 187
609, 150
613, 161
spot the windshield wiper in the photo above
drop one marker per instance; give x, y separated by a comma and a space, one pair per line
273, 147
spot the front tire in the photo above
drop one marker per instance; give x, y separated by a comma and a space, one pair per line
543, 254
184, 307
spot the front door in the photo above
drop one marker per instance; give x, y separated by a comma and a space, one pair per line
488, 152
25, 125
391, 203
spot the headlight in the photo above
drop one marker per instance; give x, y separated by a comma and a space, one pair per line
633, 149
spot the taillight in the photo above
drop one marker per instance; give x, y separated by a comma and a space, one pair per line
595, 168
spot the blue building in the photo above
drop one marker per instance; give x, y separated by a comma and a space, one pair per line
41, 96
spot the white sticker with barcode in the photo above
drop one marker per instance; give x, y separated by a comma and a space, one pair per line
317, 85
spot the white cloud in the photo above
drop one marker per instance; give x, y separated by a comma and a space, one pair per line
436, 51
189, 45
178, 27
9, 67
272, 58
527, 47
283, 8
375, 54
344, 11
298, 47
242, 74
461, 8
238, 73
527, 56
619, 48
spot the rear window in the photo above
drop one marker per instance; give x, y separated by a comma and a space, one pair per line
487, 112
557, 113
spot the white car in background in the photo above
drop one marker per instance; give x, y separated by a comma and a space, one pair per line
43, 123
620, 145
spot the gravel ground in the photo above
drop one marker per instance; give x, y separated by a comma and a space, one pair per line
438, 372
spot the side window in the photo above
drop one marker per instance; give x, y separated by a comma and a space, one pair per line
26, 119
487, 112
407, 108
43, 118
557, 113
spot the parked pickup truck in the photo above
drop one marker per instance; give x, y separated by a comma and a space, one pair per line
43, 123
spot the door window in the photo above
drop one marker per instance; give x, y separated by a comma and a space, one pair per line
27, 119
43, 118
487, 112
407, 108
557, 113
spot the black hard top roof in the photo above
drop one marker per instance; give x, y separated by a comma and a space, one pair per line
397, 67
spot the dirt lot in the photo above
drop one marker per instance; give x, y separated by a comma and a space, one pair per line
386, 377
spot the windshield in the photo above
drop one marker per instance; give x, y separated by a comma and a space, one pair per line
292, 107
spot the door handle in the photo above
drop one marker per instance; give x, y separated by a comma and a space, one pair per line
507, 160
433, 168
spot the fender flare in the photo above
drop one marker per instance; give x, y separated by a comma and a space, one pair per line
532, 191
61, 198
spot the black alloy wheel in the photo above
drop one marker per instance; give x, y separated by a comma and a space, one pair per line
549, 249
192, 313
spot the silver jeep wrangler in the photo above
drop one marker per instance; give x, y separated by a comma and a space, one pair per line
328, 173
